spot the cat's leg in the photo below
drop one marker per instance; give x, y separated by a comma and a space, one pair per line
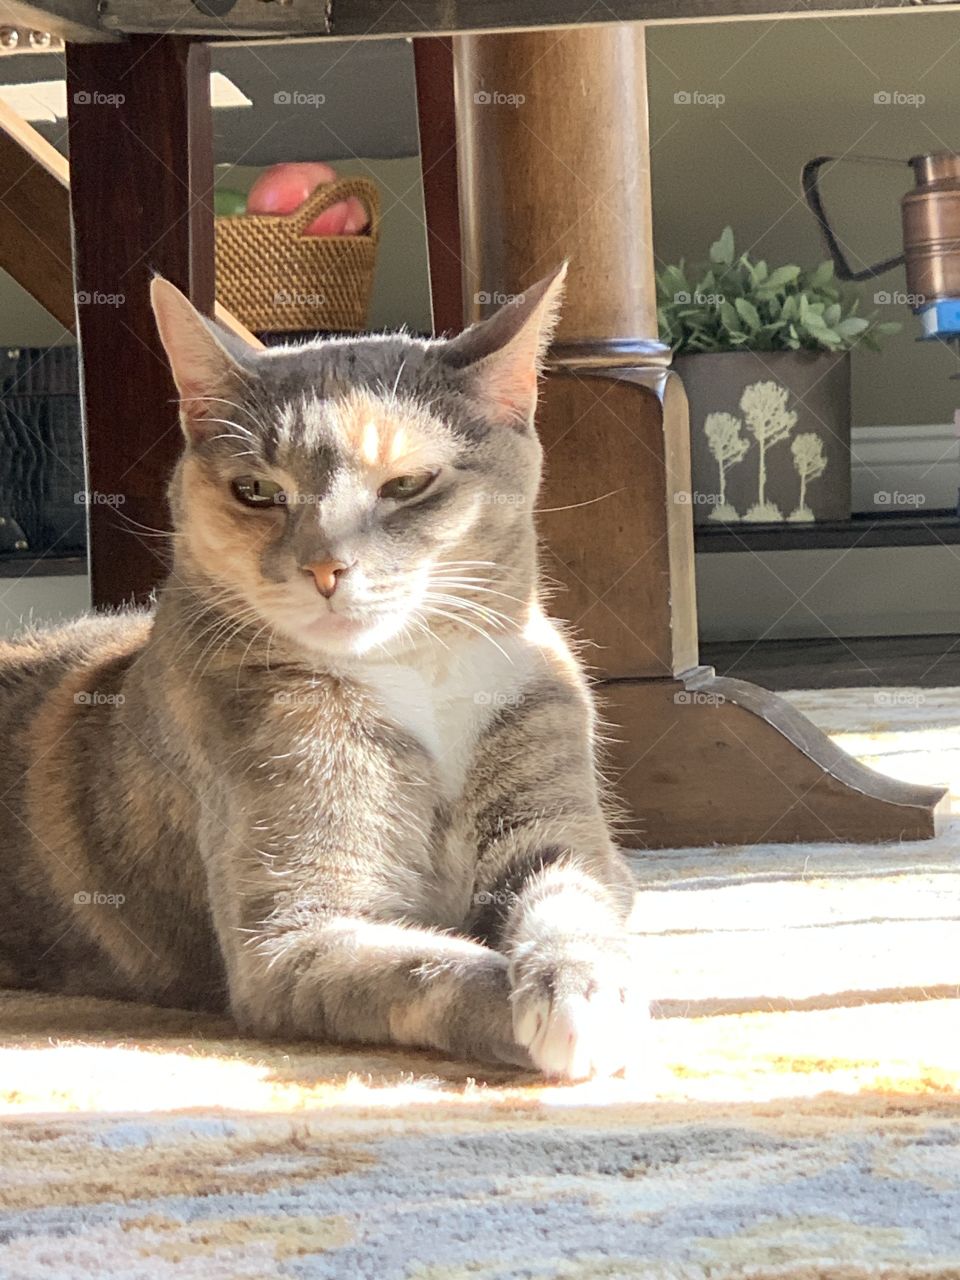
554, 895
346, 979
575, 990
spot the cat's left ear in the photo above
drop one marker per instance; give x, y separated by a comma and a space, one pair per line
502, 357
205, 360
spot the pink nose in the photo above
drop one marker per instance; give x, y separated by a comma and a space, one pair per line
326, 575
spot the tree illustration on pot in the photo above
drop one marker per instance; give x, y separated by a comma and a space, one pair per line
810, 462
769, 421
728, 447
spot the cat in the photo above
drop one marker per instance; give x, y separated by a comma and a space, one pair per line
340, 781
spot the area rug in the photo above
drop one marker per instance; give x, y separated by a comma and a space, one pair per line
794, 1112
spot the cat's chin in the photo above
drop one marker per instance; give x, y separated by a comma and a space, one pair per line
342, 635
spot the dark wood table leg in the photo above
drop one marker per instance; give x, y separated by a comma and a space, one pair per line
433, 63
553, 148
141, 164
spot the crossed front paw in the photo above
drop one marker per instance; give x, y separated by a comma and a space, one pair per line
575, 1006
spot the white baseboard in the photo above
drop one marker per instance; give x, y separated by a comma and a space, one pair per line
905, 468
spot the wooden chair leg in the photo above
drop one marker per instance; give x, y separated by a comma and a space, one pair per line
141, 158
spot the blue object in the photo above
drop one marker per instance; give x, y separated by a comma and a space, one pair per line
941, 319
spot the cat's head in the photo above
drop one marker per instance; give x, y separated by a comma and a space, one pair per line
353, 494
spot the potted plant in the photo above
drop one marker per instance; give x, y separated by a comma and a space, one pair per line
765, 359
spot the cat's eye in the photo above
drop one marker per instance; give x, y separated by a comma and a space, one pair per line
401, 488
255, 491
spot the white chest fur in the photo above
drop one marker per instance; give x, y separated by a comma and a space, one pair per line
448, 705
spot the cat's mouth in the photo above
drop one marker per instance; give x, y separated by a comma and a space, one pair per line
352, 630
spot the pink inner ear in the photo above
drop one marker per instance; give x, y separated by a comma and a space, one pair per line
512, 389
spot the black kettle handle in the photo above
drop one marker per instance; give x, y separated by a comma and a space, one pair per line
811, 193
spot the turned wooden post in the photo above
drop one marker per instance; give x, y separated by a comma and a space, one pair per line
553, 150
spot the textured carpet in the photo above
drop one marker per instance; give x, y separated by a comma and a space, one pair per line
795, 1113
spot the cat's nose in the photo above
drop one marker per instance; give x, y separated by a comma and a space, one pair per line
326, 574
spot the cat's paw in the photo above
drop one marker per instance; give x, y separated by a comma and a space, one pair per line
575, 1007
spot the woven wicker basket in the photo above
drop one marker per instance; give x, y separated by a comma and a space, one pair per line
276, 280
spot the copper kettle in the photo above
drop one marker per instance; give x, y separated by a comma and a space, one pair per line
931, 226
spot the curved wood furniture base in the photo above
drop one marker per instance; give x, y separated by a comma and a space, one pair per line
705, 760
698, 760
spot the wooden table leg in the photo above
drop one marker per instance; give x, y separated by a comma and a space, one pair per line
141, 161
553, 150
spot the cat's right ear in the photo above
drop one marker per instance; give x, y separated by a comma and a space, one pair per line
203, 368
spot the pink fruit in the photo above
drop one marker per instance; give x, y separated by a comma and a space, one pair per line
284, 187
345, 218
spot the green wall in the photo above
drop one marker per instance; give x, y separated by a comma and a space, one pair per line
792, 90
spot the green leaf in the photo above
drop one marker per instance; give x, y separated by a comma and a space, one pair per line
748, 313
822, 276
729, 317
721, 251
853, 325
782, 276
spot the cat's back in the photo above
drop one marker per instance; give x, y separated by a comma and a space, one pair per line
37, 659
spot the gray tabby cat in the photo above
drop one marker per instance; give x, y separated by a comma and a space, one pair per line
341, 780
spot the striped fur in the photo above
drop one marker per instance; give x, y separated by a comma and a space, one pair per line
372, 818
